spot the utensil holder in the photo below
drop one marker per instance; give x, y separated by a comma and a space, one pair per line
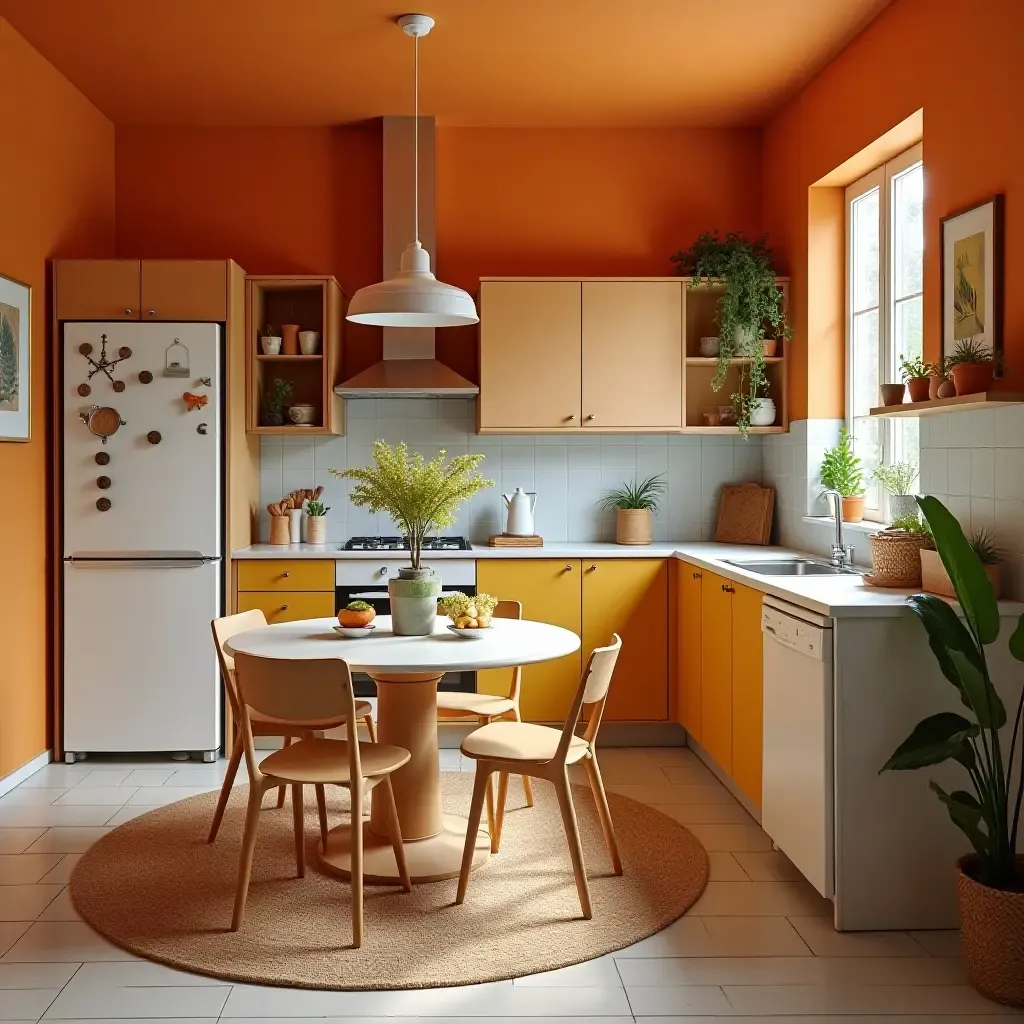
316, 529
278, 530
295, 525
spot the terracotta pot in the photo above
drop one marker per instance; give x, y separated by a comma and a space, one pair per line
279, 530
947, 389
771, 348
992, 931
972, 378
918, 388
853, 510
316, 529
935, 579
933, 386
892, 394
633, 526
290, 339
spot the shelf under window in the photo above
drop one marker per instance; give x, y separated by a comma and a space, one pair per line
961, 403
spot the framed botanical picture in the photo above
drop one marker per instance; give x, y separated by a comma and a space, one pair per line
15, 328
972, 276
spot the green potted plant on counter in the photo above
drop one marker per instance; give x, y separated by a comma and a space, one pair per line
897, 478
419, 496
751, 300
635, 505
841, 471
990, 881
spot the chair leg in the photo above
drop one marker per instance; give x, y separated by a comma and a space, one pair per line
395, 827
356, 872
252, 820
481, 784
370, 728
499, 818
484, 720
527, 781
321, 806
225, 790
286, 742
603, 814
298, 821
572, 835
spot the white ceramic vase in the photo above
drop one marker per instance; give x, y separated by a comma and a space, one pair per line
762, 413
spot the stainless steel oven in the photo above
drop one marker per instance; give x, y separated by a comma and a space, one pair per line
366, 579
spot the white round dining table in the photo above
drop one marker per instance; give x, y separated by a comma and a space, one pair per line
407, 670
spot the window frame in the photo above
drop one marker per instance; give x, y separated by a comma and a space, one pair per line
881, 178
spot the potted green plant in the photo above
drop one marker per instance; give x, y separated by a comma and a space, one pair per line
990, 881
275, 400
316, 521
897, 478
915, 373
936, 580
751, 299
972, 367
419, 496
841, 471
635, 506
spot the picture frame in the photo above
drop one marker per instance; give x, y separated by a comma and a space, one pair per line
971, 243
15, 360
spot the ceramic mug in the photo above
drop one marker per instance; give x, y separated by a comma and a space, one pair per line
271, 345
309, 342
302, 414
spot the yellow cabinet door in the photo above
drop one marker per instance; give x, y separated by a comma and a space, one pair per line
747, 703
549, 590
529, 354
632, 354
287, 607
629, 596
185, 290
286, 574
688, 648
97, 289
716, 668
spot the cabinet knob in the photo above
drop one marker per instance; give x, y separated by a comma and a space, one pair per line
727, 589
283, 608
152, 312
592, 567
697, 575
127, 312
591, 416
383, 570
285, 575
571, 417
568, 567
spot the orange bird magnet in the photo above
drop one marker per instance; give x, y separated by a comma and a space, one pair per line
193, 402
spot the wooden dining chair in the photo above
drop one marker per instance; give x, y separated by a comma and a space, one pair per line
304, 692
223, 630
486, 708
521, 748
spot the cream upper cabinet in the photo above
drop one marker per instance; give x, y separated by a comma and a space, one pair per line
529, 355
632, 354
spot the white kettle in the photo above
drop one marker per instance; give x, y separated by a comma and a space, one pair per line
520, 505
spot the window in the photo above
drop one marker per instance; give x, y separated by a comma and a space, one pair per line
884, 280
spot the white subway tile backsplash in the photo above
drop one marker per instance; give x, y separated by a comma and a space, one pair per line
960, 471
982, 469
934, 470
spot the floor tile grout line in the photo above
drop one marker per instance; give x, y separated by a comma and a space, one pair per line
807, 945
46, 1009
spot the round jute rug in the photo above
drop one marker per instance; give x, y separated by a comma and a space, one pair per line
154, 887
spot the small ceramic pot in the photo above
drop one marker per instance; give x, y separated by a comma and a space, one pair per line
414, 597
711, 418
853, 509
633, 526
762, 413
934, 381
947, 389
972, 378
279, 530
309, 342
892, 394
302, 414
295, 525
271, 345
771, 348
290, 339
709, 347
316, 529
918, 388
902, 505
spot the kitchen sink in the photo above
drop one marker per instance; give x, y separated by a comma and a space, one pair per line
791, 567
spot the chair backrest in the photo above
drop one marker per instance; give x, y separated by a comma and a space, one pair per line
592, 693
511, 610
223, 630
298, 691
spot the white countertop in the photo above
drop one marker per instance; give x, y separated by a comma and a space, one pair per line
836, 596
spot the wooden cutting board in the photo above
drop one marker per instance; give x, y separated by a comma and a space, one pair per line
745, 514
508, 540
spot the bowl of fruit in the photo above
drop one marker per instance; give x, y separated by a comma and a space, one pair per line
356, 620
471, 616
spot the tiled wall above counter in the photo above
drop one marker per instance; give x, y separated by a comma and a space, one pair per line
569, 473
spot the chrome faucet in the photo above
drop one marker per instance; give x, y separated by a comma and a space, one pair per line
842, 554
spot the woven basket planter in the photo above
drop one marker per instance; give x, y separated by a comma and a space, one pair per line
992, 926
896, 558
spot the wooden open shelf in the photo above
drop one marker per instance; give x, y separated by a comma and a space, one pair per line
316, 304
738, 361
961, 403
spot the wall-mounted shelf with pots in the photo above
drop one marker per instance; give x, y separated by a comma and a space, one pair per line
961, 403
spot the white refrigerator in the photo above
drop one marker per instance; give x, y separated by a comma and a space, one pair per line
142, 537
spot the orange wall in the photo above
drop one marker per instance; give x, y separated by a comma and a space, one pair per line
56, 200
509, 201
965, 72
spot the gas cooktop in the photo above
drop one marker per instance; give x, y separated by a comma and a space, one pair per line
401, 544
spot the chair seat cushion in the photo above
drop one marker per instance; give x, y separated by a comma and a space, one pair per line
479, 704
279, 727
322, 760
520, 741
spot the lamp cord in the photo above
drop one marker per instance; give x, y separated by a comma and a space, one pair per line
416, 139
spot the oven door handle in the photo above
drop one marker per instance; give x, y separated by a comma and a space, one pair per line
379, 594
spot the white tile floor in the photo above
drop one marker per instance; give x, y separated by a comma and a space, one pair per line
757, 946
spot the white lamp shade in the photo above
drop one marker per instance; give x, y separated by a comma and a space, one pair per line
413, 298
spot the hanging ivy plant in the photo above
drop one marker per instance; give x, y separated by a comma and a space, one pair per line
751, 300
8, 361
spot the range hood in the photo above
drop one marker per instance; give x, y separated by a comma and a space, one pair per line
409, 368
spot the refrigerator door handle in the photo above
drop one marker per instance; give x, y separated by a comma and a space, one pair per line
170, 560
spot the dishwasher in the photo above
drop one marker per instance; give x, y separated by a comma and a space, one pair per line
798, 794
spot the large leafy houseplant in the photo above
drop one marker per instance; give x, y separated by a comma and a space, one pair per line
989, 812
750, 300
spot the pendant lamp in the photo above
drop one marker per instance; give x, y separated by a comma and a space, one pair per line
413, 297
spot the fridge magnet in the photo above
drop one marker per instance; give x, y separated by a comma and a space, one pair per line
103, 364
176, 360
103, 420
972, 276
145, 377
15, 328
204, 382
193, 402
